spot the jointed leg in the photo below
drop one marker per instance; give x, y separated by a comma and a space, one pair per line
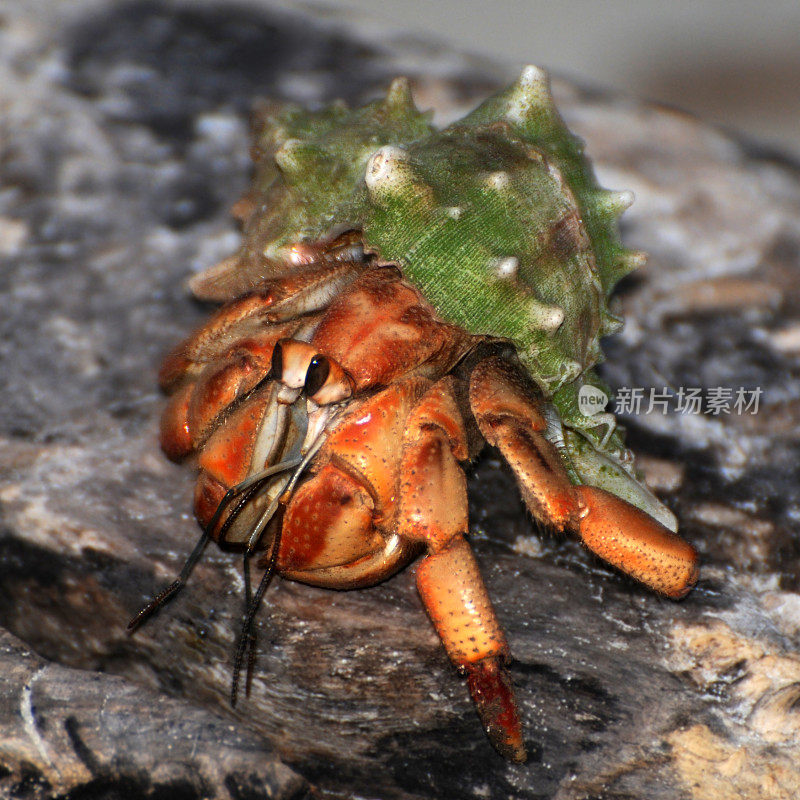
278, 304
635, 543
508, 415
198, 404
433, 509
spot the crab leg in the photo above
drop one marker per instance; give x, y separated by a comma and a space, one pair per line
507, 413
457, 602
635, 543
273, 303
193, 410
433, 509
352, 523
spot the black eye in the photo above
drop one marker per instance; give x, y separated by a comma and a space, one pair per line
277, 362
317, 374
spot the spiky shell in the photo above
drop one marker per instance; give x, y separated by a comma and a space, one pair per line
497, 219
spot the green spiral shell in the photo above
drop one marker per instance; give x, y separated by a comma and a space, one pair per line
497, 219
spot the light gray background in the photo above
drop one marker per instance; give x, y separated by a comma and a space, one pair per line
731, 62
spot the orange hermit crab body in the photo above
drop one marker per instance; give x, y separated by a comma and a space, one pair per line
332, 405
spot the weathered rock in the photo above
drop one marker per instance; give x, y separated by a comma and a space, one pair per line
67, 730
125, 142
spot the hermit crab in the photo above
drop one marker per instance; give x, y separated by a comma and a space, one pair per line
404, 294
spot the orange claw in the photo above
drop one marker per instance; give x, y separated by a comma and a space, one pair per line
635, 543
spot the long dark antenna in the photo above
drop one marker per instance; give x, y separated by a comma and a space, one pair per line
252, 642
247, 488
165, 594
244, 499
245, 635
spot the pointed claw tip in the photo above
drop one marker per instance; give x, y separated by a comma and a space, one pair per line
491, 691
517, 753
508, 744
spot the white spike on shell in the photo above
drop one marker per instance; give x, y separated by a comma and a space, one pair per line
399, 94
634, 259
286, 156
389, 172
616, 202
546, 317
498, 180
386, 168
532, 92
506, 267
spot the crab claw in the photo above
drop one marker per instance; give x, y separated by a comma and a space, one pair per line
493, 696
508, 413
635, 543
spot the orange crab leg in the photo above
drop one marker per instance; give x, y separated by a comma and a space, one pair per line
433, 509
507, 413
227, 457
259, 440
635, 543
212, 341
174, 434
328, 524
195, 408
509, 419
274, 302
456, 599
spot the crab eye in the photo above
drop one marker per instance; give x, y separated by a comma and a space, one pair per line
318, 371
326, 382
290, 362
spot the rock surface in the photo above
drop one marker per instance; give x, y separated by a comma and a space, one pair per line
65, 729
124, 144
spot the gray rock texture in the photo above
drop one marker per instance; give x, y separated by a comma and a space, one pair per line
68, 730
124, 143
